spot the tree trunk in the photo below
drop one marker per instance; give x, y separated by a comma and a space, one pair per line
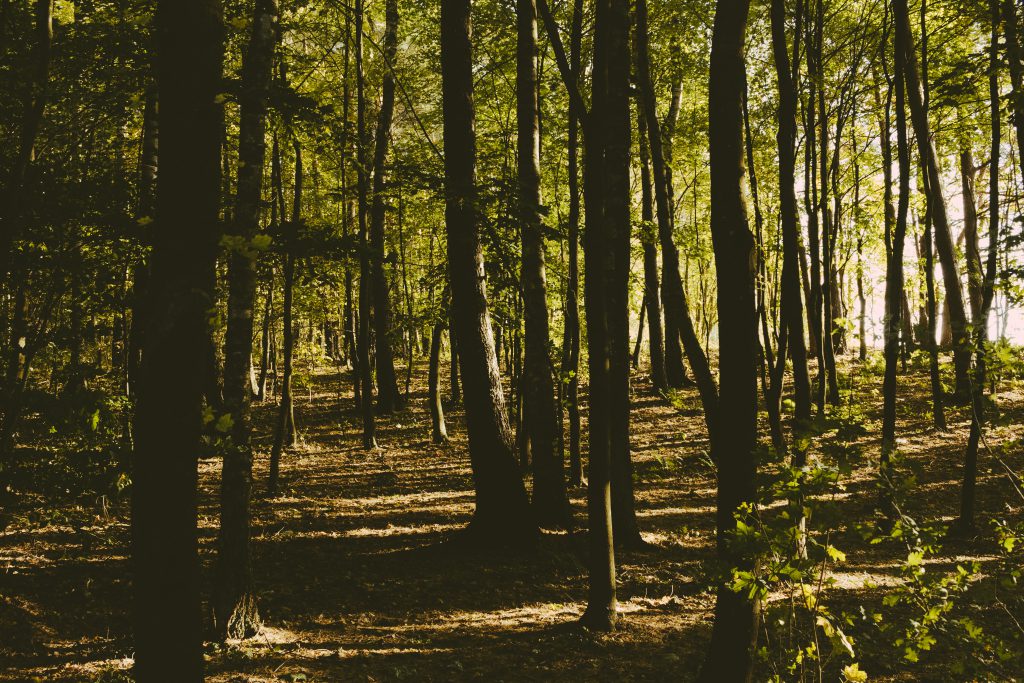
284, 431
31, 118
1013, 58
571, 338
388, 397
438, 430
550, 501
894, 274
965, 522
730, 654
168, 417
971, 251
235, 606
940, 219
791, 313
365, 271
648, 238
502, 514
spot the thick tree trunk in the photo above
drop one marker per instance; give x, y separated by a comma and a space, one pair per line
168, 417
502, 514
730, 654
235, 608
550, 501
388, 397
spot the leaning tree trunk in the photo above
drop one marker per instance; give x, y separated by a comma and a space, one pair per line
550, 501
730, 654
940, 218
235, 608
168, 417
502, 514
388, 397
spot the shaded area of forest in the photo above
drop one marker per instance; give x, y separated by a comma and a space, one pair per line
362, 576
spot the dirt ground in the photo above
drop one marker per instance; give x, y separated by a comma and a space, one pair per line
358, 580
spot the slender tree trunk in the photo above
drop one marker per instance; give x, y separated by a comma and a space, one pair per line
894, 272
1016, 68
31, 118
438, 430
235, 608
550, 501
502, 514
791, 307
940, 219
265, 345
938, 413
284, 432
571, 338
648, 238
965, 522
168, 417
730, 654
363, 354
971, 251
388, 396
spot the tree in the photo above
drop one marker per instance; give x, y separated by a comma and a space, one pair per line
550, 502
502, 512
168, 419
236, 612
730, 654
388, 397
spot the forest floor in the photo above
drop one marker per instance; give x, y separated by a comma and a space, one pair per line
357, 582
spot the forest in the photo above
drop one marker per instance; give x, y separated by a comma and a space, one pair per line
511, 340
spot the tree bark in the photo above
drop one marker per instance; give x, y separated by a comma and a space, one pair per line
388, 396
168, 418
235, 608
940, 218
550, 501
502, 514
730, 654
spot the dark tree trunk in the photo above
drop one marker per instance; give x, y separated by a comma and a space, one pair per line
571, 338
1013, 58
894, 271
454, 386
168, 417
730, 654
648, 238
502, 514
550, 501
940, 219
363, 361
265, 341
388, 396
965, 522
285, 434
31, 119
791, 312
235, 608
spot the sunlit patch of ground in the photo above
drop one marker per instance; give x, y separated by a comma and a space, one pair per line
357, 582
